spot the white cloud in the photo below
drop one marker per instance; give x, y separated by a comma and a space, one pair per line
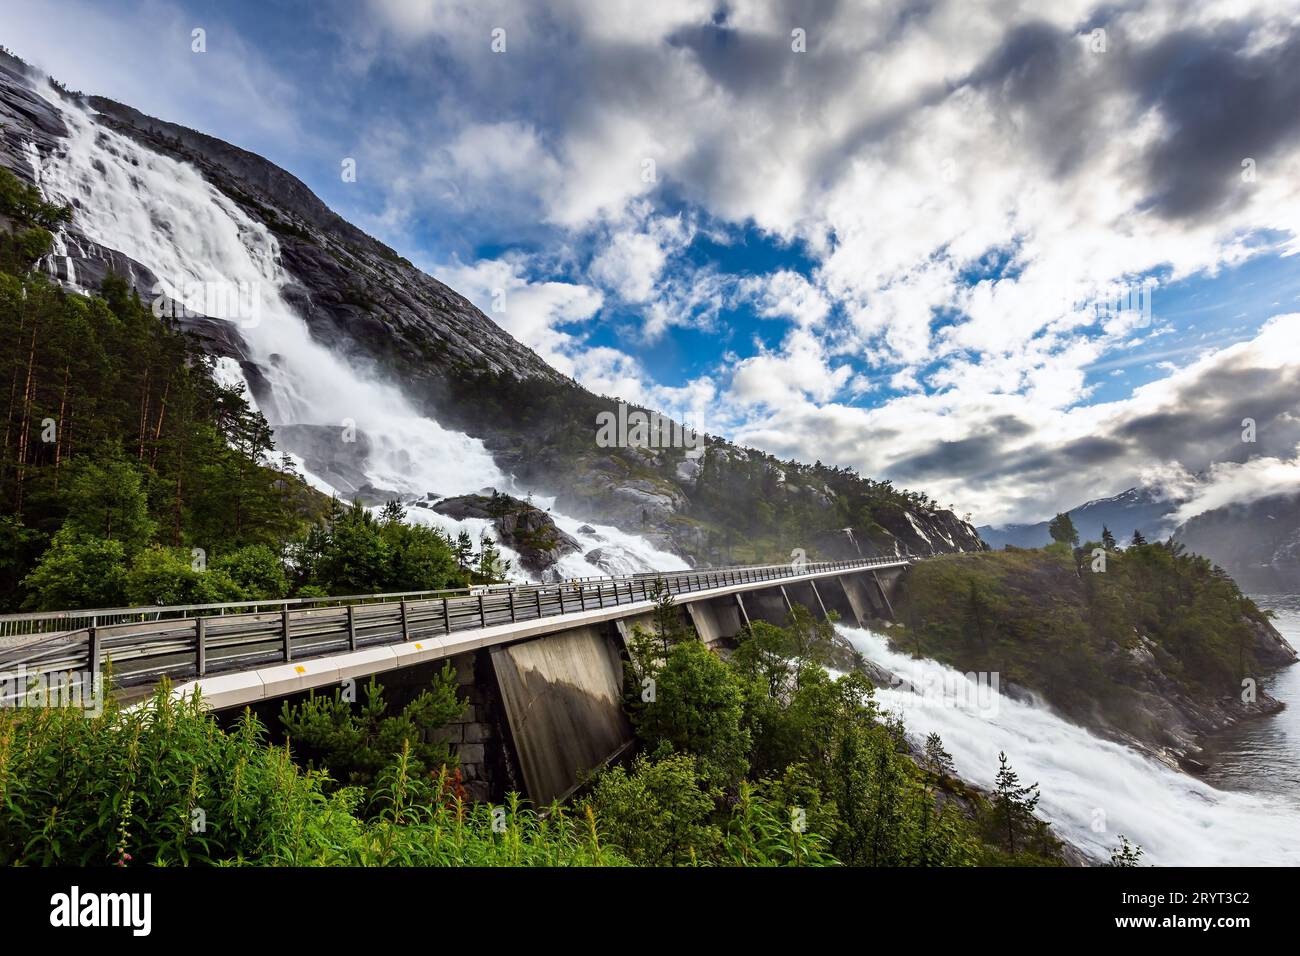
1241, 483
786, 295
535, 313
635, 254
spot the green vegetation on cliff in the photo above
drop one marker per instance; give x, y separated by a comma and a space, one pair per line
1077, 625
129, 474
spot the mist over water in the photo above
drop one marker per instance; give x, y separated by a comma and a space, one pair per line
1092, 789
166, 216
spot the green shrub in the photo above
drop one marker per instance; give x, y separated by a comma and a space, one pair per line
356, 743
168, 576
657, 814
256, 570
760, 833
78, 572
697, 709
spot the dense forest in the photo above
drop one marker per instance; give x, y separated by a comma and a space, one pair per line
130, 475
1086, 624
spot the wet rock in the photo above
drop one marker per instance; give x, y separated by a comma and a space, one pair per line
524, 528
326, 454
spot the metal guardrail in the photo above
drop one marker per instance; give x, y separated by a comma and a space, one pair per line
58, 622
208, 639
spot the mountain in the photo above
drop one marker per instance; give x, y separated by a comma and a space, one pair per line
1140, 509
1257, 543
159, 204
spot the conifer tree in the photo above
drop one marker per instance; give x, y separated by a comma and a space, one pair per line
392, 513
1014, 804
491, 568
464, 550
668, 627
936, 758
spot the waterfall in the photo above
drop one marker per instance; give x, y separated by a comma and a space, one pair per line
1092, 789
166, 216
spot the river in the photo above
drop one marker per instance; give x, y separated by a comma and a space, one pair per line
1246, 813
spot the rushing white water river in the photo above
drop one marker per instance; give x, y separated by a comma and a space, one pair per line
1092, 789
166, 216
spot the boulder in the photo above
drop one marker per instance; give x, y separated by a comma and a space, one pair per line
520, 526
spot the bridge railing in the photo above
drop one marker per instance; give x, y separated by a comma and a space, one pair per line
182, 642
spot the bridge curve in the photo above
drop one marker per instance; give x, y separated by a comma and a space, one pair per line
241, 652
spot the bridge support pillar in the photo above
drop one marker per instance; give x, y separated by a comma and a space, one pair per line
884, 595
820, 602
744, 615
706, 622
857, 597
563, 699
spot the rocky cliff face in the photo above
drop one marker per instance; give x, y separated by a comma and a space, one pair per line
362, 299
1177, 722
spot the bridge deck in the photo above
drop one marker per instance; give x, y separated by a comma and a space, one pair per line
265, 650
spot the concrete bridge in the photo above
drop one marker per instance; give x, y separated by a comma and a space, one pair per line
540, 665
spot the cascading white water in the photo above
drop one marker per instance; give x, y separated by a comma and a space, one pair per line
166, 216
1092, 789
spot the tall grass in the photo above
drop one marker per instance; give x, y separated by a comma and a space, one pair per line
163, 784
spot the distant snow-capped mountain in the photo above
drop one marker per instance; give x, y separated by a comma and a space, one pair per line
1137, 509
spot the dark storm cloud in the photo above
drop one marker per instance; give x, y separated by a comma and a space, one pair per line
1198, 424
967, 456
1204, 421
1222, 106
1046, 463
1037, 74
1220, 103
749, 64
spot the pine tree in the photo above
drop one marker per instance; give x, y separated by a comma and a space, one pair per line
668, 627
464, 550
938, 760
1107, 539
491, 568
1138, 539
1014, 804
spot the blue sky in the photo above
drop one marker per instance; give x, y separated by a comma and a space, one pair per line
871, 228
